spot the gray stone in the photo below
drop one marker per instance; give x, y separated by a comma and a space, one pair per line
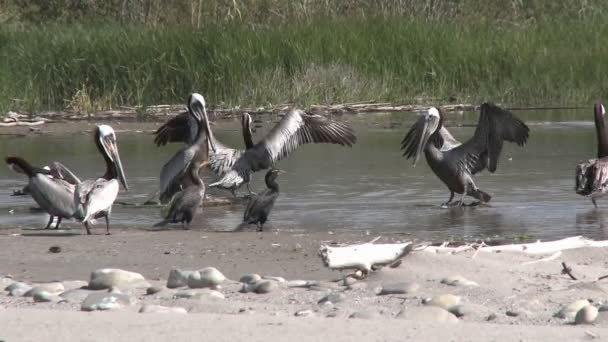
569, 311
265, 286
304, 313
107, 278
334, 298
44, 296
357, 286
398, 288
153, 290
586, 315
4, 282
18, 289
52, 288
602, 307
298, 283
76, 295
428, 313
364, 315
444, 301
105, 301
326, 284
277, 279
178, 278
199, 294
349, 281
250, 278
74, 284
207, 277
458, 280
159, 309
512, 313
491, 317
459, 310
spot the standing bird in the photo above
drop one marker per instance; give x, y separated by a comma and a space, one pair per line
294, 130
84, 201
456, 164
174, 174
592, 176
184, 204
259, 206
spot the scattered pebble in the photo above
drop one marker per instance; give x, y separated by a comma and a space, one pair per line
74, 284
199, 294
44, 296
491, 317
106, 278
277, 279
349, 281
398, 288
458, 280
364, 315
444, 301
250, 278
304, 313
18, 289
586, 315
52, 288
428, 313
569, 311
334, 298
153, 290
55, 249
265, 286
512, 313
459, 310
298, 283
207, 277
76, 295
357, 286
105, 301
150, 308
178, 278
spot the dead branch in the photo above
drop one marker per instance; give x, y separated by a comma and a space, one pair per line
567, 270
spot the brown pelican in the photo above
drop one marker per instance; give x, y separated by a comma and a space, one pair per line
184, 204
86, 200
173, 175
592, 176
56, 170
455, 165
259, 206
295, 129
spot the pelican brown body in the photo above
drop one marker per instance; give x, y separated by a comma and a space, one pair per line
456, 165
592, 176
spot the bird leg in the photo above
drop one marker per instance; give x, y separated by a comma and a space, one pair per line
48, 225
251, 193
461, 202
447, 204
58, 222
594, 202
260, 227
108, 224
86, 225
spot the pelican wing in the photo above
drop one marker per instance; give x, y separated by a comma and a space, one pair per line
96, 196
180, 128
55, 196
172, 172
495, 125
223, 159
295, 129
449, 142
60, 171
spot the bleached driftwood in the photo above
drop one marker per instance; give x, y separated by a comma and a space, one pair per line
21, 123
535, 248
364, 256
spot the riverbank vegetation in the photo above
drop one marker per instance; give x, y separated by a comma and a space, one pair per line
93, 55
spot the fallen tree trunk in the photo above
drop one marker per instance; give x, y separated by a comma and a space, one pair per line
364, 256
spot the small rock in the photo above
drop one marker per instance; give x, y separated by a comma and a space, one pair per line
55, 249
52, 288
207, 277
349, 281
74, 284
105, 301
512, 313
76, 295
569, 311
357, 286
398, 288
364, 315
150, 308
265, 286
153, 290
304, 313
459, 310
5, 282
178, 278
199, 294
277, 279
428, 313
334, 298
250, 278
586, 315
458, 280
603, 307
106, 278
444, 301
298, 283
44, 296
18, 289
326, 284
491, 317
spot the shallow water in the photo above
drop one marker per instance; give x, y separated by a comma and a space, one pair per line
368, 187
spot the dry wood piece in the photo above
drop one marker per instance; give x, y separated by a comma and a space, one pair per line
364, 256
567, 270
21, 123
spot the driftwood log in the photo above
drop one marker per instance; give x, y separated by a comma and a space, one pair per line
363, 257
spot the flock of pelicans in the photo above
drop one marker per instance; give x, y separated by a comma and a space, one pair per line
62, 195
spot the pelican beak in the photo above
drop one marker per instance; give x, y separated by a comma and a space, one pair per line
279, 171
210, 143
113, 151
424, 138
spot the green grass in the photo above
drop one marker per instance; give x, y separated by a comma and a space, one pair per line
333, 60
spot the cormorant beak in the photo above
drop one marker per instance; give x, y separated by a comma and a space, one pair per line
109, 143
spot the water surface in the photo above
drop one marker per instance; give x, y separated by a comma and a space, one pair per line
368, 187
